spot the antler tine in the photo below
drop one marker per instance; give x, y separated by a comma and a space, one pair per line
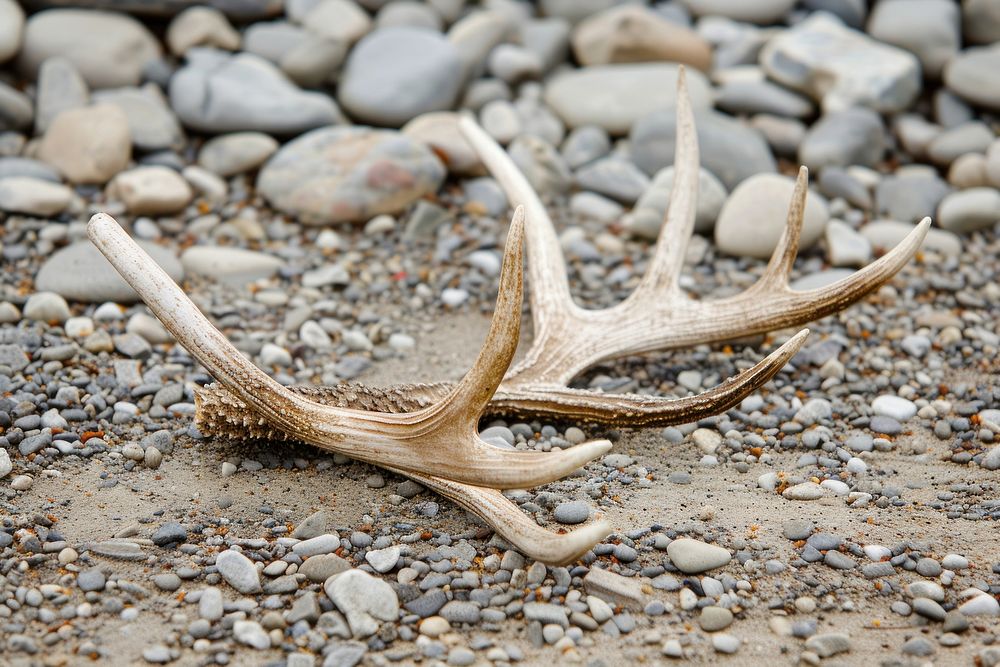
470, 396
422, 442
665, 266
548, 285
635, 410
779, 267
514, 525
835, 297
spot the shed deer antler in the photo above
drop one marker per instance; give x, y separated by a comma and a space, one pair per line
437, 445
428, 432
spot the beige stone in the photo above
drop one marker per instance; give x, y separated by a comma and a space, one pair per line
88, 145
633, 33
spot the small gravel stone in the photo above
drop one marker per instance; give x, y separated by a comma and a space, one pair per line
693, 556
573, 512
238, 571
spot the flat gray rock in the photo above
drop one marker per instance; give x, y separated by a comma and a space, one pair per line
615, 97
81, 273
729, 149
842, 68
217, 92
844, 138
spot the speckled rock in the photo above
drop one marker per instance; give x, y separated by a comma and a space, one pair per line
347, 174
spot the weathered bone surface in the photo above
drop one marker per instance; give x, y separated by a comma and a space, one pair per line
657, 316
429, 432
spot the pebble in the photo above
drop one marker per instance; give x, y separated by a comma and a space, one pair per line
117, 59
5, 465
649, 212
315, 546
152, 125
843, 138
201, 26
754, 217
383, 560
829, 644
726, 643
633, 33
33, 196
252, 634
60, 87
693, 556
228, 263
236, 153
896, 407
614, 97
974, 74
169, 533
730, 150
80, 272
216, 93
363, 599
845, 246
46, 307
842, 68
764, 12
238, 571
982, 604
969, 210
804, 491
395, 74
151, 190
571, 513
21, 482
928, 28
713, 619
91, 580
11, 28
88, 145
346, 174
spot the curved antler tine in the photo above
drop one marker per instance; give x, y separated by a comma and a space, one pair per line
634, 410
671, 246
515, 526
837, 296
783, 258
465, 403
548, 286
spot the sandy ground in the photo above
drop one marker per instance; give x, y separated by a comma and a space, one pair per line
188, 485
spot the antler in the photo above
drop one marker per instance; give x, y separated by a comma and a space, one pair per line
438, 445
658, 315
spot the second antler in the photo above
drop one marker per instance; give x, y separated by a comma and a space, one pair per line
657, 316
